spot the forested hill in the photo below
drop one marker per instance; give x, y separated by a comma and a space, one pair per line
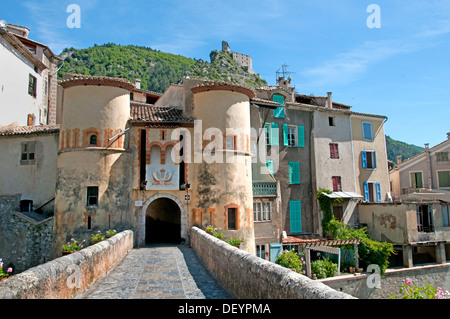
396, 148
156, 69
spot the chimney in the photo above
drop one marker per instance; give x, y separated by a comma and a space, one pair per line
137, 83
448, 135
329, 102
399, 159
427, 146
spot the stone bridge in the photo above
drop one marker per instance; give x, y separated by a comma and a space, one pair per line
209, 269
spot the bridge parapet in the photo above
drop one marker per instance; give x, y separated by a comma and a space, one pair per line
250, 277
67, 276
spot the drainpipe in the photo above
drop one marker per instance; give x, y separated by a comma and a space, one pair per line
430, 171
353, 152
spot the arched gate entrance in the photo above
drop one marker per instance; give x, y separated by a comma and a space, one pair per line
162, 220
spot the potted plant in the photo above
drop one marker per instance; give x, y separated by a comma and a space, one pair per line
71, 247
111, 233
236, 241
96, 238
3, 275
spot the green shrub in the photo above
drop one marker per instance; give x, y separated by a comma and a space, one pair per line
324, 268
291, 260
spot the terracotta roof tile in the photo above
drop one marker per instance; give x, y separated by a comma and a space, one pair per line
149, 113
219, 85
72, 79
23, 130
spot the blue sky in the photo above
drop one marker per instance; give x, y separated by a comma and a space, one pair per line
401, 69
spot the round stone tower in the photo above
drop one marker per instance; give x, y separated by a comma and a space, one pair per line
93, 178
222, 183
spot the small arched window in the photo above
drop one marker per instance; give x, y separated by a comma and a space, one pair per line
93, 140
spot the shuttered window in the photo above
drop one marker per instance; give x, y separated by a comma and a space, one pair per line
275, 134
295, 215
269, 165
334, 151
367, 131
301, 136
369, 159
279, 111
294, 173
336, 184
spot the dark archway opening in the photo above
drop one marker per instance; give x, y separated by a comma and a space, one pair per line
163, 222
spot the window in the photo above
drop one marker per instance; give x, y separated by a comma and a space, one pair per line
331, 121
334, 151
338, 212
231, 213
279, 111
269, 165
261, 211
261, 251
295, 213
230, 139
442, 157
292, 136
367, 131
337, 184
372, 192
446, 215
424, 218
369, 159
92, 196
32, 83
271, 133
444, 178
93, 140
294, 173
28, 155
416, 180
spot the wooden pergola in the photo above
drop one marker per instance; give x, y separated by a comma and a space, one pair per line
323, 245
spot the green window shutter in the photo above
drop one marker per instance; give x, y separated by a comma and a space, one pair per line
301, 136
285, 134
279, 111
294, 173
269, 165
278, 99
295, 215
275, 134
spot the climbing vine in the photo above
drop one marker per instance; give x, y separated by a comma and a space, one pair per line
326, 204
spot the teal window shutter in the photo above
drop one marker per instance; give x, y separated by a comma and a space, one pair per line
275, 134
269, 165
378, 193
279, 111
295, 216
366, 191
301, 136
285, 134
294, 173
364, 159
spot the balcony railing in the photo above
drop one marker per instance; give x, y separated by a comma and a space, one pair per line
264, 189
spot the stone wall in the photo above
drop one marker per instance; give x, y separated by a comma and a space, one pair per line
362, 286
250, 277
67, 276
24, 242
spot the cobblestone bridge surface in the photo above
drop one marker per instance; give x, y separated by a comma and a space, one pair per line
158, 272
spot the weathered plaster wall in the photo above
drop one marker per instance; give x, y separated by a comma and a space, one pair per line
363, 286
24, 243
37, 181
252, 277
68, 276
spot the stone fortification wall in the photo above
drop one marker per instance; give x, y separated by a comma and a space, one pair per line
68, 276
24, 242
248, 276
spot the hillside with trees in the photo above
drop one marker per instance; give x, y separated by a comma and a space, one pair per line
156, 69
396, 148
